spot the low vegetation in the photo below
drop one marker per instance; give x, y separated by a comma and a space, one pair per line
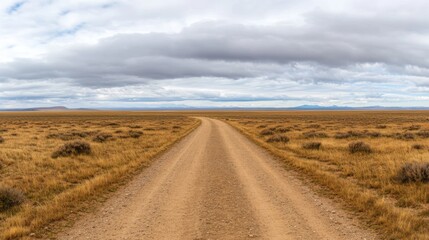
102, 137
359, 147
312, 145
135, 134
9, 198
376, 162
418, 146
72, 148
53, 164
267, 132
278, 138
414, 172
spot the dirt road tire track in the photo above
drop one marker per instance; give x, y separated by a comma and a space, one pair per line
216, 184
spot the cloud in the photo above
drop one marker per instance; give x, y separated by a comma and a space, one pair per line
306, 49
219, 49
15, 7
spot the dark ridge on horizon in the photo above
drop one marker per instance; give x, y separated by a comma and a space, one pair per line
41, 109
302, 107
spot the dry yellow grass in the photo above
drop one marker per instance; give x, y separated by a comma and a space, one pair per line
121, 144
365, 180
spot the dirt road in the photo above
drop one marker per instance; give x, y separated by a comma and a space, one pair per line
216, 184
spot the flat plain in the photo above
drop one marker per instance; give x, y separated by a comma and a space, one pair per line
377, 162
51, 163
238, 175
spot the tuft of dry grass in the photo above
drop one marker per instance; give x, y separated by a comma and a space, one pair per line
349, 134
418, 146
10, 197
312, 145
413, 127
282, 129
278, 138
359, 147
415, 172
266, 132
314, 134
1, 139
423, 134
54, 188
135, 134
72, 149
102, 137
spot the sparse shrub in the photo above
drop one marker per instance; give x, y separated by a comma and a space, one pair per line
102, 137
413, 127
135, 126
278, 138
402, 136
262, 126
413, 172
313, 134
283, 129
312, 145
373, 134
423, 134
314, 126
68, 135
418, 146
72, 148
340, 135
176, 127
135, 134
349, 134
266, 132
381, 126
1, 139
359, 147
407, 136
10, 197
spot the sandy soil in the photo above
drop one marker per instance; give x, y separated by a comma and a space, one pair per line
216, 184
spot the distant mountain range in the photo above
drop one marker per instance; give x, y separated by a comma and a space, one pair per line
41, 109
334, 107
302, 107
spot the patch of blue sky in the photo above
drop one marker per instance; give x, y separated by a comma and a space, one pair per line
70, 31
15, 7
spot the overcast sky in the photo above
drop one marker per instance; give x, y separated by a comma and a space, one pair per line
224, 53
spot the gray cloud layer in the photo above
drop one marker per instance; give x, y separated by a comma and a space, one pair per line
213, 49
341, 47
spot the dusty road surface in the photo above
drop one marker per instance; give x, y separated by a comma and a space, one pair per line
216, 184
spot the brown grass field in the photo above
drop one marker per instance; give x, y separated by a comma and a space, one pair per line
377, 163
44, 180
